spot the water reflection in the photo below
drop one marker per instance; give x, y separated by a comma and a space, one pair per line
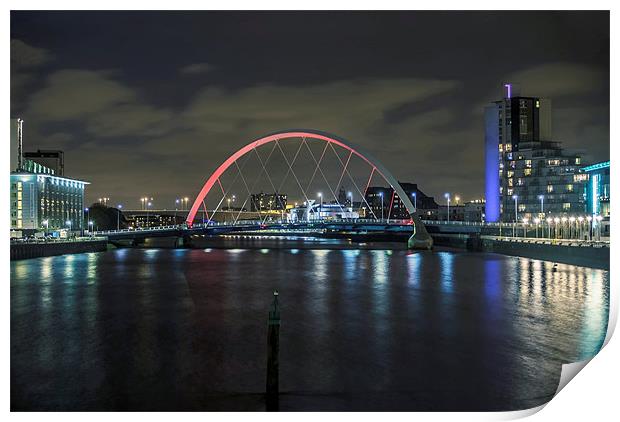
145, 329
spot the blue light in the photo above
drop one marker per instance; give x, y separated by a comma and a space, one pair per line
491, 163
597, 166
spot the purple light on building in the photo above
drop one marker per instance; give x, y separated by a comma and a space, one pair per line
508, 90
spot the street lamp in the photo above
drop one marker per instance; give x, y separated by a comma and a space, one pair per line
148, 206
525, 220
447, 196
46, 223
321, 204
516, 198
457, 199
599, 218
580, 220
381, 195
556, 220
549, 220
118, 218
68, 224
90, 224
415, 201
563, 228
536, 221
542, 203
350, 203
571, 233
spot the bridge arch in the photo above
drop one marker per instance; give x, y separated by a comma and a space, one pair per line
420, 238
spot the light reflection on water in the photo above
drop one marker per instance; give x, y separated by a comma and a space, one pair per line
158, 329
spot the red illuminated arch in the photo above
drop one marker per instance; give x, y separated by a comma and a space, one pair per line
420, 237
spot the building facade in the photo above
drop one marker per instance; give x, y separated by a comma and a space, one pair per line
527, 174
383, 201
41, 198
597, 189
42, 201
267, 202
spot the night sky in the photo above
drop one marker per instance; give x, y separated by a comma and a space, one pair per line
150, 103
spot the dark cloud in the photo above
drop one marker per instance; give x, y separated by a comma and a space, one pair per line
155, 106
196, 68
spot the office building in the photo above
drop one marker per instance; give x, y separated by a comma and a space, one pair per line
597, 189
383, 201
267, 202
527, 174
40, 199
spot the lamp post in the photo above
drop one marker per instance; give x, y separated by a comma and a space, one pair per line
90, 225
516, 198
556, 221
579, 232
68, 224
46, 223
381, 195
589, 219
148, 206
536, 221
599, 218
571, 232
186, 199
457, 199
87, 215
118, 218
549, 221
350, 204
542, 203
563, 229
321, 204
525, 221
447, 196
415, 201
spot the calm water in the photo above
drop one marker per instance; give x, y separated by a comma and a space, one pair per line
163, 329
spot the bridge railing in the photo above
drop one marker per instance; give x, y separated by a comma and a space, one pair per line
243, 223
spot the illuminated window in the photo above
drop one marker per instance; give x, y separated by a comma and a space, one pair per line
508, 148
569, 188
537, 104
509, 192
566, 206
501, 147
528, 163
522, 207
510, 182
554, 162
578, 160
527, 172
549, 188
510, 173
580, 177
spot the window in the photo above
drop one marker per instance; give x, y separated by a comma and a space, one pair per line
528, 163
509, 192
569, 188
578, 160
522, 207
580, 177
527, 172
549, 188
566, 206
510, 182
510, 173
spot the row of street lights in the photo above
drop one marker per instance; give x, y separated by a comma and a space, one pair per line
557, 228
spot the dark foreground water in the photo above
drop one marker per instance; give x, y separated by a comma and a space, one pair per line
149, 329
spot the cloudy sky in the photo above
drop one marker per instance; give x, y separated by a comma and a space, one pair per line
147, 103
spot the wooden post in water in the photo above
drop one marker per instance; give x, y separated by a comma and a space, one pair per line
273, 349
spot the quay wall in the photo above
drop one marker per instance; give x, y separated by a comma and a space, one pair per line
37, 250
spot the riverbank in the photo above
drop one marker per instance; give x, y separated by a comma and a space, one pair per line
575, 253
41, 249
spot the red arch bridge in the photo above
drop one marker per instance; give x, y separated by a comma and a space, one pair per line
310, 161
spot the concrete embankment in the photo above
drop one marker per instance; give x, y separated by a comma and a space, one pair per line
37, 250
574, 254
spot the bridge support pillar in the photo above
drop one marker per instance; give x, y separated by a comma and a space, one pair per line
183, 242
